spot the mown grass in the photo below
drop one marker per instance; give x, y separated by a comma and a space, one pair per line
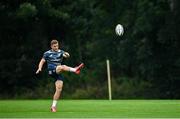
91, 109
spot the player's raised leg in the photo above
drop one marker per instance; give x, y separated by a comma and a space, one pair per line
76, 70
59, 86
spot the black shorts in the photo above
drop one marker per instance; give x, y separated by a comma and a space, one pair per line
53, 74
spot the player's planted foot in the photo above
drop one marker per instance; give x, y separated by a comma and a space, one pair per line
79, 68
53, 109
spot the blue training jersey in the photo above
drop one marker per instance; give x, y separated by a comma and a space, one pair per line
53, 57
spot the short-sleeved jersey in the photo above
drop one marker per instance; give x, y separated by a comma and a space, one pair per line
53, 57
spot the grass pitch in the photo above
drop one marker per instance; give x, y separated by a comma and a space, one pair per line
91, 109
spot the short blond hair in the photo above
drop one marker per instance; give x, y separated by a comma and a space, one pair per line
54, 41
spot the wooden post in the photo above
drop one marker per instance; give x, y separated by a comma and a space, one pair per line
109, 79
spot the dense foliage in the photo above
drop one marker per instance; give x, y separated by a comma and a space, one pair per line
145, 61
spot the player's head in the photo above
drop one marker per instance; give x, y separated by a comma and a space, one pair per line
54, 45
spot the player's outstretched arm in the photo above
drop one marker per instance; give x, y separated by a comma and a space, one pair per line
66, 55
41, 63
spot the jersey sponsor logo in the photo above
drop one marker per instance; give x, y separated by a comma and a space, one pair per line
51, 55
55, 55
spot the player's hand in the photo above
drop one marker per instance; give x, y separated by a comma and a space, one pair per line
39, 70
66, 55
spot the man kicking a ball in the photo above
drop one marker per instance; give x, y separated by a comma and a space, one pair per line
54, 59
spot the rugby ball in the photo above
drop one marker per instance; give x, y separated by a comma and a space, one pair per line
119, 30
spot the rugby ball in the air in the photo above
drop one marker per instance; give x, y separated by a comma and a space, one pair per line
119, 30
